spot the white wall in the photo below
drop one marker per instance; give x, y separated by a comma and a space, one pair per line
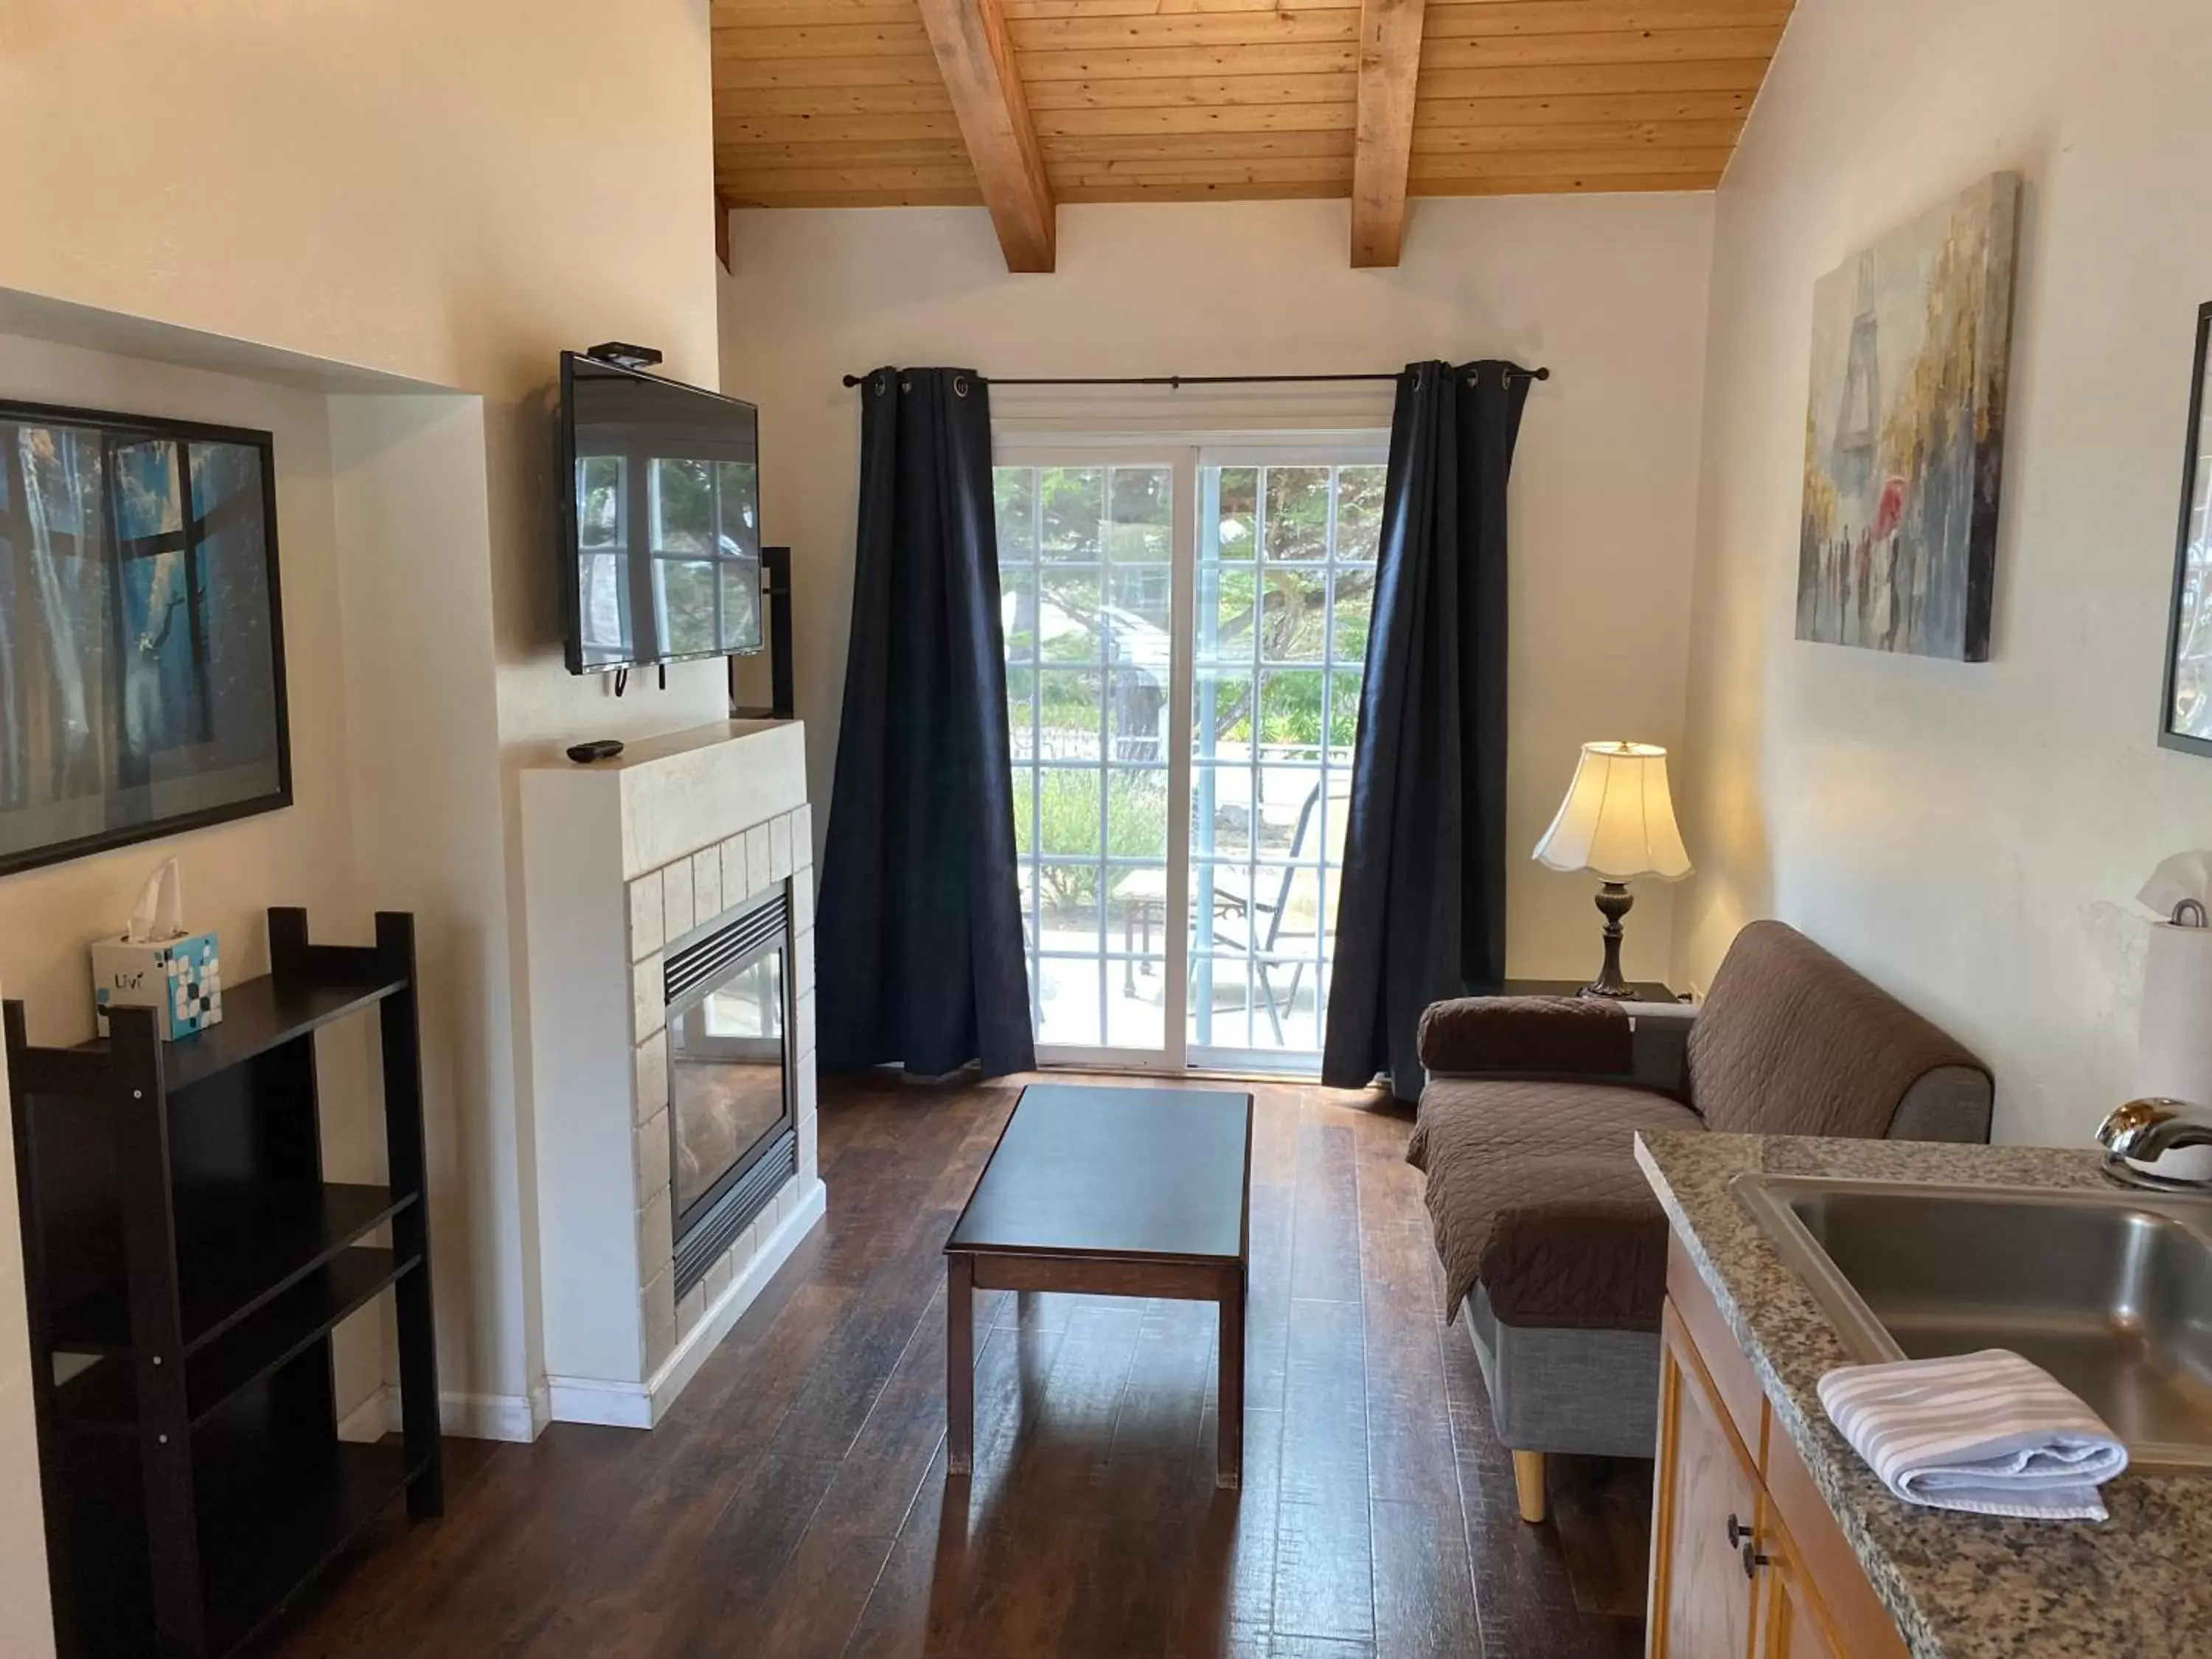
449, 193
1608, 291
413, 526
1968, 834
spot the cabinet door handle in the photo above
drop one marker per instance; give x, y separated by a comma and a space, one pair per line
1753, 1560
1737, 1532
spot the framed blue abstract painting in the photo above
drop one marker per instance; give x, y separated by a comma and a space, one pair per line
142, 654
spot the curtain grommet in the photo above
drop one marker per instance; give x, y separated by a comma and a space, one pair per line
960, 385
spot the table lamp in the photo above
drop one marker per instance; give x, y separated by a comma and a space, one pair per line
1617, 823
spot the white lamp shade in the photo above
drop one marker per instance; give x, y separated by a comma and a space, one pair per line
1618, 820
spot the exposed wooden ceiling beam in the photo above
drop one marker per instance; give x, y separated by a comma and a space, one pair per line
1389, 64
976, 57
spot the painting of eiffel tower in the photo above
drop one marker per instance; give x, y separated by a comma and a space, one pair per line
1905, 434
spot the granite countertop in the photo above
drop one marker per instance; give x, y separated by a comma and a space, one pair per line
1960, 1586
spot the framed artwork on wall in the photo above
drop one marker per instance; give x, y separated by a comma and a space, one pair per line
2185, 720
1905, 434
142, 648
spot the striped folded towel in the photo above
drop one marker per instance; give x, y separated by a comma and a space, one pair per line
1987, 1432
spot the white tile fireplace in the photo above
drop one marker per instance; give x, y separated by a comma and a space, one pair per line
670, 904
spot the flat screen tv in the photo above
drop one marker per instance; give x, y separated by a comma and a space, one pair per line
659, 519
142, 645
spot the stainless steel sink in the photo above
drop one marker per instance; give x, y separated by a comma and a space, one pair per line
2109, 1292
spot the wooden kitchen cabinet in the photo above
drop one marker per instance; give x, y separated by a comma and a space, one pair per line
1746, 1563
1705, 1501
1791, 1623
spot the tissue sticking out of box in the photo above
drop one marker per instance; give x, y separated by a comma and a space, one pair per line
159, 915
2173, 1055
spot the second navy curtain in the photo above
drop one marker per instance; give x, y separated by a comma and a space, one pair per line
1421, 913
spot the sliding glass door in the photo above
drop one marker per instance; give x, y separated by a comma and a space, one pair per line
1185, 630
1286, 584
1087, 574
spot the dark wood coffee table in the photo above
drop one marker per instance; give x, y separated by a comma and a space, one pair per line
1108, 1192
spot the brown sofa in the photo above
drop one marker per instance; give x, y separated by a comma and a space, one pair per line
1553, 1248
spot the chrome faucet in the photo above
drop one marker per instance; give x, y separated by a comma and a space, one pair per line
2146, 1131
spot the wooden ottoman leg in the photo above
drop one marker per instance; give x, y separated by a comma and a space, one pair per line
959, 1363
1230, 1470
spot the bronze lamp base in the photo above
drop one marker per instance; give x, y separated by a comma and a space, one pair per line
1614, 902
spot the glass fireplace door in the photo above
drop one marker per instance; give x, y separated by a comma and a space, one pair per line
729, 1093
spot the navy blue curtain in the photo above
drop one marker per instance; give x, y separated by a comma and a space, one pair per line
1421, 912
918, 953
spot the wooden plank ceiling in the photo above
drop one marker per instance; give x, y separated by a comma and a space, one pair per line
844, 103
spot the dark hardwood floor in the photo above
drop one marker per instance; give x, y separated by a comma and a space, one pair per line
795, 1501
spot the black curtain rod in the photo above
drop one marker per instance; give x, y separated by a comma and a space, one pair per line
1176, 382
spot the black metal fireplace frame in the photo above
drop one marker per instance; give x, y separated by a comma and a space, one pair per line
712, 1222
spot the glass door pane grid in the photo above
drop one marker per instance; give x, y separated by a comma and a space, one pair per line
1307, 735
1085, 551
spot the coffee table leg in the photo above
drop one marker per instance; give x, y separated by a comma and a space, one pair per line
1230, 1436
960, 1362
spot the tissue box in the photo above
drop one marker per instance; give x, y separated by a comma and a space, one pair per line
181, 979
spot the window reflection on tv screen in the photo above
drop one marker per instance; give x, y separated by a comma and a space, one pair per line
666, 519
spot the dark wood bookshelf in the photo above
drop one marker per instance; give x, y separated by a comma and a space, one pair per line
186, 1266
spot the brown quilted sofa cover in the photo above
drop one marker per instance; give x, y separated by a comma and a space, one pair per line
1534, 1189
1527, 1128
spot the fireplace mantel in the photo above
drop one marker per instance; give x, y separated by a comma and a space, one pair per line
622, 859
